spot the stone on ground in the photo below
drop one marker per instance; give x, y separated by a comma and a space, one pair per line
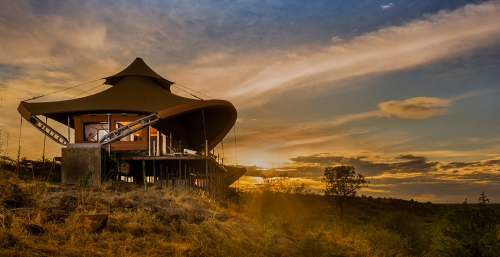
93, 223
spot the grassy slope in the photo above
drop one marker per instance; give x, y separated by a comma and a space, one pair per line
166, 222
177, 222
371, 227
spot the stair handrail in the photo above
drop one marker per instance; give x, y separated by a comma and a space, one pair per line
126, 130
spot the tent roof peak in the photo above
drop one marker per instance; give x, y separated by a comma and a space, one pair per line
138, 68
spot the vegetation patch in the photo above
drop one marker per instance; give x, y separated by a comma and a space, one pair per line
40, 218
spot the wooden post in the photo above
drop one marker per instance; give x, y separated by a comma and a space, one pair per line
170, 142
154, 173
206, 177
180, 175
158, 143
69, 138
149, 140
185, 176
161, 177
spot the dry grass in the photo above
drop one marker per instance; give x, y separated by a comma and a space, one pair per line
153, 222
42, 219
313, 223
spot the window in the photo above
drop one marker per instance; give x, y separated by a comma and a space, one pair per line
93, 132
136, 136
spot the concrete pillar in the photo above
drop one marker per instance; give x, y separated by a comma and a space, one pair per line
80, 160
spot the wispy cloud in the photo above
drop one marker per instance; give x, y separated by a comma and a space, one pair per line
331, 129
442, 35
304, 132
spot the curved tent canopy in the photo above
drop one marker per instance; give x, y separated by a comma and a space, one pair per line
233, 173
139, 68
138, 89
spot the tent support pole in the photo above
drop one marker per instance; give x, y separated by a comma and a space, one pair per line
109, 131
206, 176
69, 138
149, 140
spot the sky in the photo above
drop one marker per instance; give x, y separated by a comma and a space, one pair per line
405, 91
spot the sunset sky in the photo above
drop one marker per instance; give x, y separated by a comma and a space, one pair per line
406, 91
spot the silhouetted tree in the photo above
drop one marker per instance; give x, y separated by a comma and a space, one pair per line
343, 182
472, 231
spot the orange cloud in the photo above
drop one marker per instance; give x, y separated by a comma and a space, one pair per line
416, 108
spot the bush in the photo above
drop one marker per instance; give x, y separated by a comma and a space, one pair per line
472, 231
386, 243
313, 245
406, 226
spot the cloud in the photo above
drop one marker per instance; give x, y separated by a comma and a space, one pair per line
443, 35
336, 39
402, 166
278, 135
349, 133
386, 6
415, 164
409, 175
369, 166
416, 108
316, 134
410, 157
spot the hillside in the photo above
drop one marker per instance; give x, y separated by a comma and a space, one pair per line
49, 219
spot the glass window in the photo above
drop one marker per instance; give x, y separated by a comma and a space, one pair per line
136, 136
93, 132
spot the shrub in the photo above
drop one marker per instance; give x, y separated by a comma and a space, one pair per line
472, 231
404, 224
386, 243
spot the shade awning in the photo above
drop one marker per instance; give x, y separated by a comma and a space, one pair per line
138, 89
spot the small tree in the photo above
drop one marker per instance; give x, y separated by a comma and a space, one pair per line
342, 181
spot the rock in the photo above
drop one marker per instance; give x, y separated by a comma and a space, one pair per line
34, 229
7, 240
93, 223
